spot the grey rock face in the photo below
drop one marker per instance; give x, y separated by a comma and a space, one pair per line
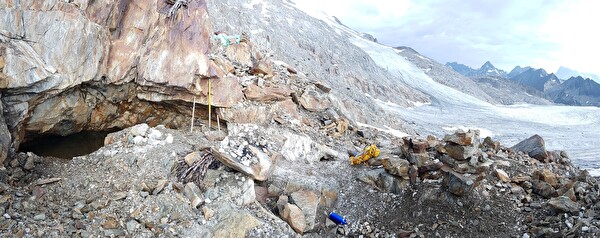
508, 92
537, 78
576, 91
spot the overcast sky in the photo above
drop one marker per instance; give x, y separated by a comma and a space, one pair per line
536, 33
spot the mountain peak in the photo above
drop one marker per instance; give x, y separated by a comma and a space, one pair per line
487, 64
536, 78
518, 70
487, 69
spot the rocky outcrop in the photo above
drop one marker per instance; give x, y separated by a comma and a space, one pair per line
72, 66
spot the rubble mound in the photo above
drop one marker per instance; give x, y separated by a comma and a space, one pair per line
137, 185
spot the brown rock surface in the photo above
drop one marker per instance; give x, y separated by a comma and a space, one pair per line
314, 101
294, 216
397, 166
308, 202
262, 67
266, 94
463, 138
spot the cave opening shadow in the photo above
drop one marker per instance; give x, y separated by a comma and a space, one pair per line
66, 147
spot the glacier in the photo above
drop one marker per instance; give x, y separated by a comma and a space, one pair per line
570, 128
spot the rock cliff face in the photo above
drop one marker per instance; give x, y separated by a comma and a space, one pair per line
95, 65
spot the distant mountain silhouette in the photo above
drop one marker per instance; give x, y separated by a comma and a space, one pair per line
517, 70
537, 78
487, 69
576, 91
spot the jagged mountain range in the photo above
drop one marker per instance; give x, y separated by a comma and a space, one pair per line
536, 78
576, 91
487, 69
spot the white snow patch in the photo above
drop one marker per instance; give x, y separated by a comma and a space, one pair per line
280, 63
399, 51
388, 130
419, 104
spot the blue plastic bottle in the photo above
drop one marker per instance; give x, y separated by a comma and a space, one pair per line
337, 219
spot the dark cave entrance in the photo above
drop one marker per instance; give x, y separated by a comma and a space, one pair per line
66, 147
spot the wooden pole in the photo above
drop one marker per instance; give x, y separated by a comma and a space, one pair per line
209, 111
193, 113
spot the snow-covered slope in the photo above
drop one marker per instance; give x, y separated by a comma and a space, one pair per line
574, 129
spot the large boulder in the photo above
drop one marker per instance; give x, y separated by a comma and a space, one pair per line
534, 146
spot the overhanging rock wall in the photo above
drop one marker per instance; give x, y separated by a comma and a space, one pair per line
94, 65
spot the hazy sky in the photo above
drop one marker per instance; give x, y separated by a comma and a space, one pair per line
535, 33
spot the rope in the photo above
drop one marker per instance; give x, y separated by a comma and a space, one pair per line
176, 5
